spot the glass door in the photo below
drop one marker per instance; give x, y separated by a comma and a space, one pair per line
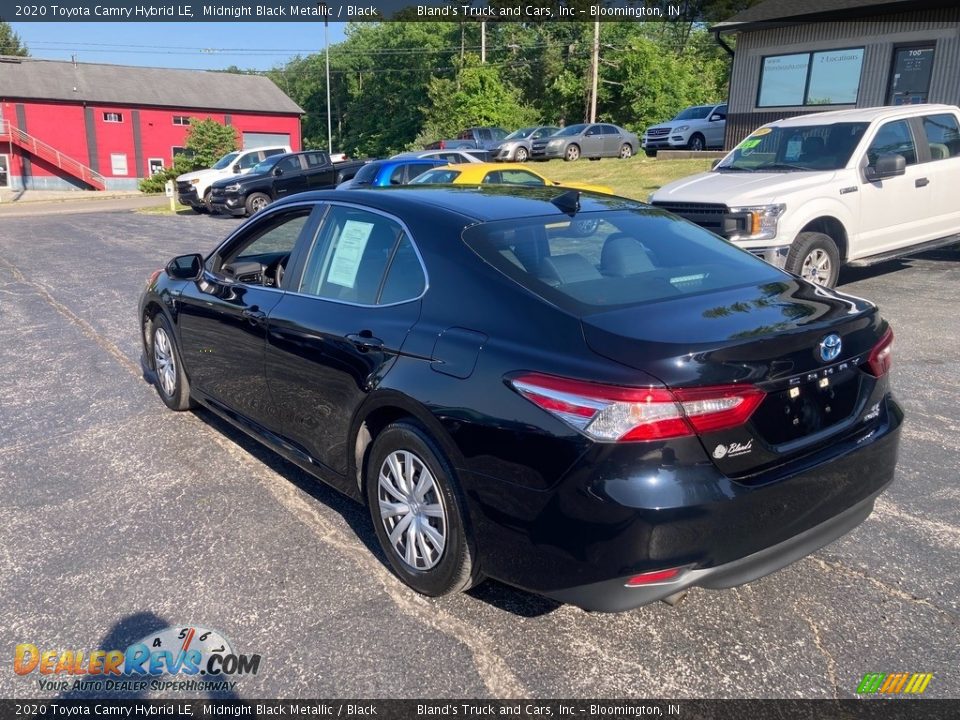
910, 76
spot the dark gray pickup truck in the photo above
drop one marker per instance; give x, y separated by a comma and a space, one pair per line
277, 177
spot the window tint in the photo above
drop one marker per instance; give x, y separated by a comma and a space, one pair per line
289, 164
943, 136
399, 175
894, 137
249, 160
366, 174
594, 130
405, 280
315, 159
484, 134
436, 177
804, 147
629, 257
351, 255
520, 177
492, 178
270, 239
610, 130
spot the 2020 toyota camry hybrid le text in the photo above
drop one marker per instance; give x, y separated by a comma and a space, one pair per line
605, 420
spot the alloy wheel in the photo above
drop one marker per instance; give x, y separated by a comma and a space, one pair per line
258, 204
164, 362
521, 154
817, 267
412, 510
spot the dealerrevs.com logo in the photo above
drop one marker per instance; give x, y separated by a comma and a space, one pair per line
203, 658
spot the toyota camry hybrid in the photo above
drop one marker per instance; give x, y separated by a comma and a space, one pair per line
606, 420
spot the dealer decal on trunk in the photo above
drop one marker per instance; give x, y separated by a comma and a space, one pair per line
732, 450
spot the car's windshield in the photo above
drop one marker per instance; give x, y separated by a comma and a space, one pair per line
694, 113
570, 130
602, 260
520, 134
795, 148
436, 177
265, 166
225, 160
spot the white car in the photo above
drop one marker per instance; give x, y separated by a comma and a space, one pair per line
849, 187
696, 128
451, 157
193, 188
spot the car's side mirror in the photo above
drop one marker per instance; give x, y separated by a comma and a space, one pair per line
278, 172
236, 167
717, 116
185, 267
887, 165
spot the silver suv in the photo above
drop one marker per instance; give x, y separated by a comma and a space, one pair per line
696, 128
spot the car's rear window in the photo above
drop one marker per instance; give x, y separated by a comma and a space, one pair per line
603, 260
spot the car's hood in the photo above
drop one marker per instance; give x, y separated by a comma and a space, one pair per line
739, 188
195, 175
248, 177
668, 124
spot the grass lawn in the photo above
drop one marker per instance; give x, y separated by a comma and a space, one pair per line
634, 178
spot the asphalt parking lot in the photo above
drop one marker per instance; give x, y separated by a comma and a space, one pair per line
118, 517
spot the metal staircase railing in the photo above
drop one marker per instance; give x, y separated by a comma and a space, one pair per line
49, 153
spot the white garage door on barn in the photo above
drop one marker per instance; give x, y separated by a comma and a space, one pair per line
254, 140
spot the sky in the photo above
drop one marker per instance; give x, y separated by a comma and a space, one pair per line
197, 45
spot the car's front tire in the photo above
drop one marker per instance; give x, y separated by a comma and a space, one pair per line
697, 143
521, 155
814, 257
416, 509
168, 376
256, 202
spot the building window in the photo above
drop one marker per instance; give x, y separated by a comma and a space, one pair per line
4, 171
181, 119
113, 117
118, 164
154, 165
910, 76
829, 77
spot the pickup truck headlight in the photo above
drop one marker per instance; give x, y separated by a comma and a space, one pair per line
195, 181
232, 188
761, 221
682, 128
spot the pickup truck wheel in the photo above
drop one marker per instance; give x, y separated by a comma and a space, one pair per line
521, 155
697, 143
208, 202
572, 153
256, 202
814, 257
626, 151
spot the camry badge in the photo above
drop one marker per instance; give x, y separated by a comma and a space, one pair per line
830, 347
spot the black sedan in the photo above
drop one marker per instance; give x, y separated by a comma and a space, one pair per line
606, 420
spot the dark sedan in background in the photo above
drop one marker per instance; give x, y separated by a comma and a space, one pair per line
605, 419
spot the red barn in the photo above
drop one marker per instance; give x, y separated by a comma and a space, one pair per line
66, 125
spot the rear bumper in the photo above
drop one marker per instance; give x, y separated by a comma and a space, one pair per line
624, 510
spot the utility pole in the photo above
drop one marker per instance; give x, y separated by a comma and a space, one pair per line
595, 68
483, 42
326, 43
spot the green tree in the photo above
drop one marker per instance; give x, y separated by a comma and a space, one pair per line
476, 95
207, 141
10, 42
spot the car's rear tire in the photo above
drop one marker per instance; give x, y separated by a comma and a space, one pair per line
256, 202
626, 151
169, 379
521, 155
814, 257
697, 143
411, 485
572, 152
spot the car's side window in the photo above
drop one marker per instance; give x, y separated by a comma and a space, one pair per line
492, 178
519, 177
249, 160
350, 259
264, 249
942, 135
289, 165
609, 130
893, 137
399, 175
593, 130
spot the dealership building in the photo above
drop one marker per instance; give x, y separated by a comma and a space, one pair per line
791, 58
67, 125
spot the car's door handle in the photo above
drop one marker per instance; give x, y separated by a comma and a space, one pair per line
365, 340
254, 315
921, 182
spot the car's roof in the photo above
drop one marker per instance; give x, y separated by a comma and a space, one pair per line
485, 203
864, 114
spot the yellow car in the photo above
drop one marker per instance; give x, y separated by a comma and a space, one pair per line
497, 174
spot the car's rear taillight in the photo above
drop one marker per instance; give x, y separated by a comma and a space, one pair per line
443, 145
881, 357
610, 413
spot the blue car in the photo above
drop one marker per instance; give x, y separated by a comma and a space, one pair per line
383, 173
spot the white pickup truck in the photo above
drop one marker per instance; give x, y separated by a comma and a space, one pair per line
193, 188
849, 187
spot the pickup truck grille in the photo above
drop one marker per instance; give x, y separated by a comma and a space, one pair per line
711, 216
658, 132
183, 186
